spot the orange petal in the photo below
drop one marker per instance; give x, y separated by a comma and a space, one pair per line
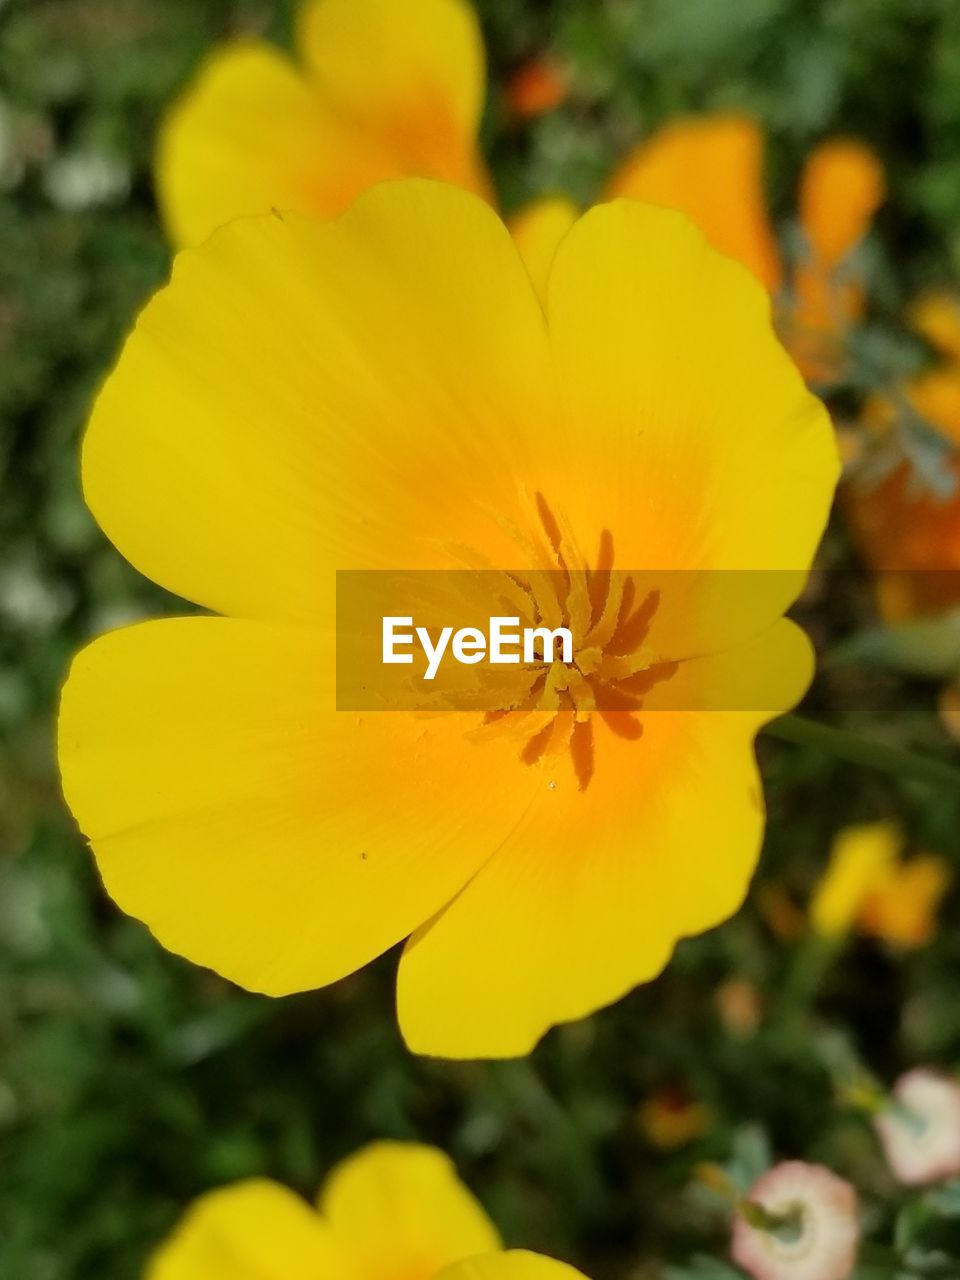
936, 316
910, 537
842, 187
538, 86
712, 170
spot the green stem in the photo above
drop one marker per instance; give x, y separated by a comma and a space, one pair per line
527, 1094
874, 755
810, 964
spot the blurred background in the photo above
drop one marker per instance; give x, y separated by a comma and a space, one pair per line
131, 1081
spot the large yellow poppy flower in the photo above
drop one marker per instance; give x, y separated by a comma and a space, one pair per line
381, 90
393, 1211
385, 390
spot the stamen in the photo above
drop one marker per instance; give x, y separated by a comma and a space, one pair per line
610, 673
581, 752
632, 632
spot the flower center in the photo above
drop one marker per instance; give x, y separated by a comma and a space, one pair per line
785, 1227
612, 667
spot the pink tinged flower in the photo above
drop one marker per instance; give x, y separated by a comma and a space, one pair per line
799, 1222
920, 1129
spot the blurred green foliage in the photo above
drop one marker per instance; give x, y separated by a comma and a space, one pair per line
130, 1081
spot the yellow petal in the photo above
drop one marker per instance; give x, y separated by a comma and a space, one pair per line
389, 91
306, 397
537, 230
705, 449
711, 169
843, 186
254, 1230
513, 1264
250, 134
255, 829
590, 895
859, 857
401, 1213
411, 75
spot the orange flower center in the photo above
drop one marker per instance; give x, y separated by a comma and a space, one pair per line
611, 668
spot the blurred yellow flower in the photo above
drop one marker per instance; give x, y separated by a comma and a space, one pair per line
740, 1007
902, 904
711, 168
307, 397
671, 1120
869, 886
393, 1211
381, 90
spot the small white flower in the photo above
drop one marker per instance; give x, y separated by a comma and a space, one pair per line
86, 179
799, 1223
920, 1129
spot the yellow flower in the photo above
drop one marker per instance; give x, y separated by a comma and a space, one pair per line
393, 1211
671, 1120
901, 906
382, 90
384, 390
867, 885
711, 168
858, 856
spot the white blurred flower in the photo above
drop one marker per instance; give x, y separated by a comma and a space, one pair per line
920, 1129
28, 601
85, 179
799, 1222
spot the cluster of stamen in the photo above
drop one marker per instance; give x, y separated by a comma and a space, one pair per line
612, 668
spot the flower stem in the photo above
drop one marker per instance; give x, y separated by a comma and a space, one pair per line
857, 750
